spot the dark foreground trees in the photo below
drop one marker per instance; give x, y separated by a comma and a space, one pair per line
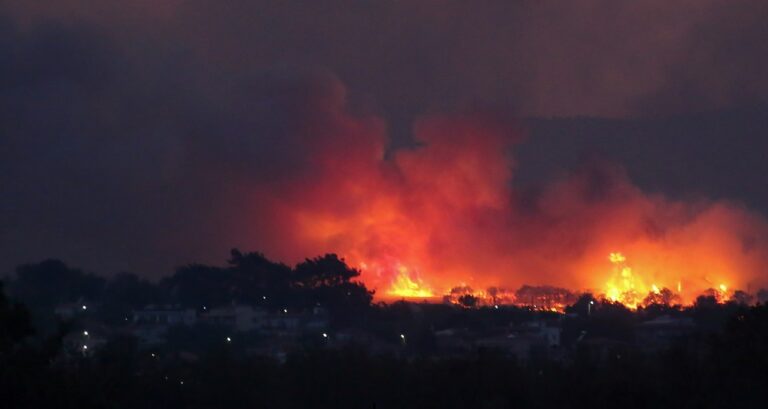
247, 278
15, 324
722, 365
250, 278
713, 370
124, 377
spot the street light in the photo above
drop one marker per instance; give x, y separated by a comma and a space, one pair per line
325, 335
229, 339
85, 333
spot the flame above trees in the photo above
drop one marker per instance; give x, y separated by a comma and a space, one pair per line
406, 287
420, 221
624, 286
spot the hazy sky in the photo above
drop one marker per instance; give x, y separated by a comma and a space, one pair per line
131, 130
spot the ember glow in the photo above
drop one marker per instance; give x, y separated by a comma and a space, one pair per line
631, 289
421, 221
624, 286
406, 287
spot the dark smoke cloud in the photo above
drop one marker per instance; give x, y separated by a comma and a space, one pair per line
550, 58
140, 134
128, 159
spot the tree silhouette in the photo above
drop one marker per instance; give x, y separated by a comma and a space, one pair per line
52, 282
664, 297
15, 323
584, 305
326, 271
258, 280
126, 292
468, 300
327, 282
198, 285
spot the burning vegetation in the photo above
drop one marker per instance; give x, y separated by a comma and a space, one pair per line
406, 287
447, 212
624, 286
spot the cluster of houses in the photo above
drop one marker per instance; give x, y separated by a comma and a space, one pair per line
277, 333
152, 325
543, 340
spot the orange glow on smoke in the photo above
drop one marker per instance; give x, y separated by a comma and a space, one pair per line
422, 221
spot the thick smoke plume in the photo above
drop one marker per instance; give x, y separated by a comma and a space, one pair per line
447, 213
143, 135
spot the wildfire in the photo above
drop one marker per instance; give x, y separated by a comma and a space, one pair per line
420, 221
624, 286
721, 293
405, 286
627, 287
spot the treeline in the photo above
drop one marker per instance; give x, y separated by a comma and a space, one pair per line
247, 278
722, 365
720, 370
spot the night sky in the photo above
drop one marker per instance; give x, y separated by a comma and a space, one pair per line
137, 135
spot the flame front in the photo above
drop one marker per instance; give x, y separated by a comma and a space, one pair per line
624, 286
405, 286
421, 221
627, 287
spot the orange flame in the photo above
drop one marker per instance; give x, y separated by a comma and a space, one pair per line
450, 211
624, 286
405, 286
